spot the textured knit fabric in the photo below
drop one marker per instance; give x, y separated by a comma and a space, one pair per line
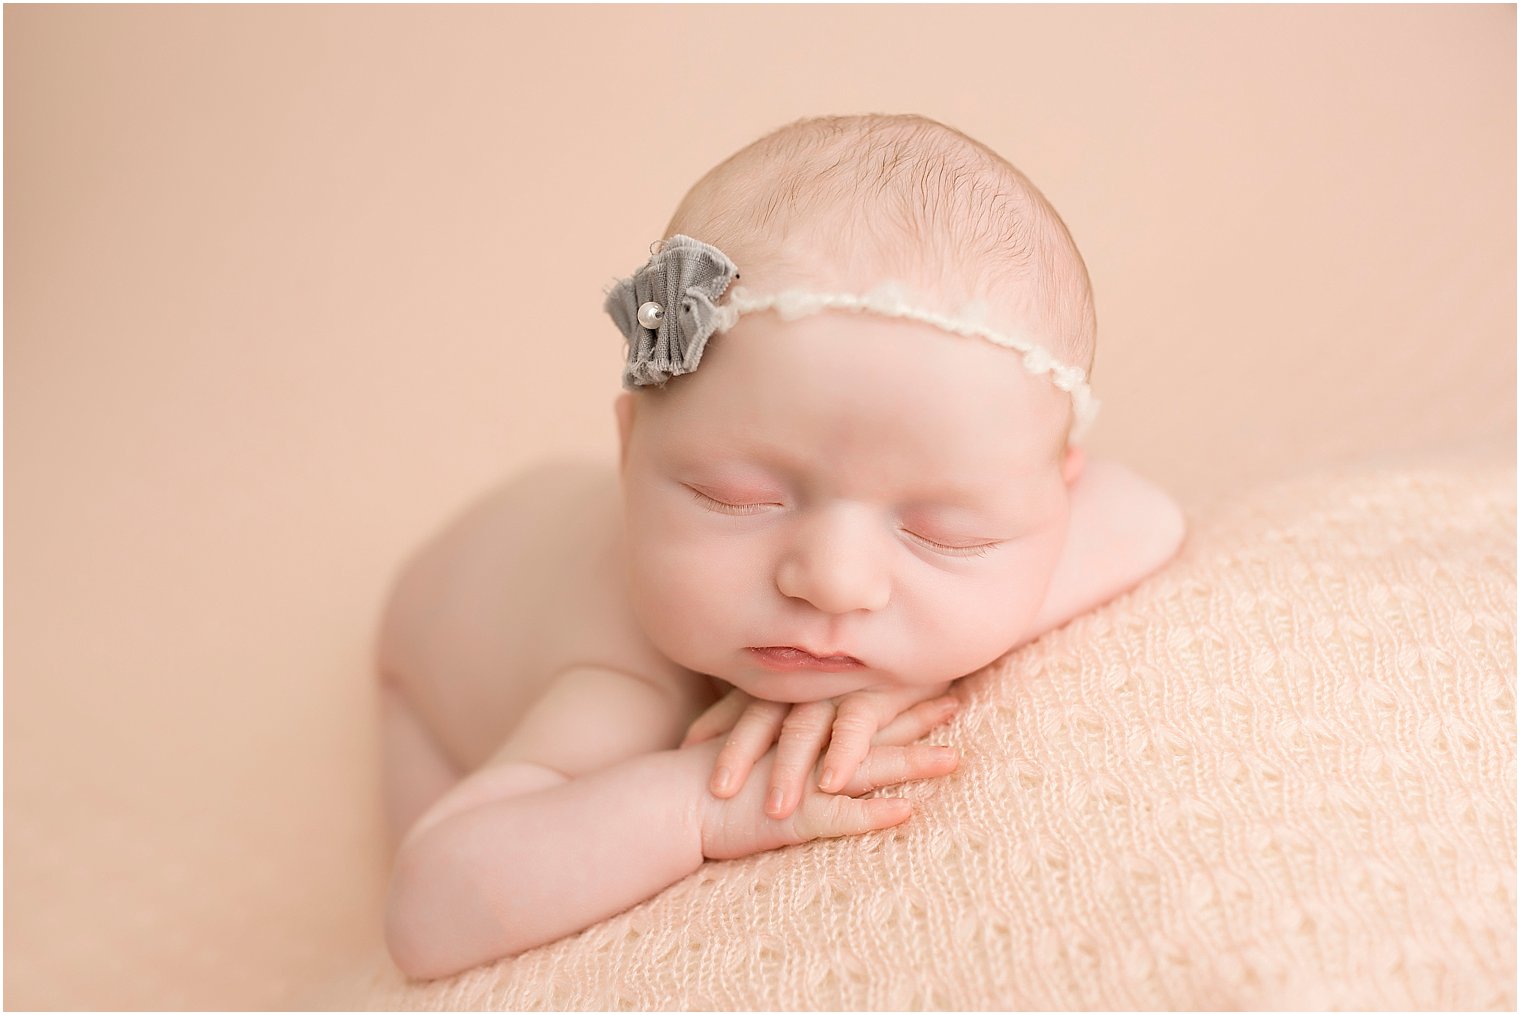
1280, 773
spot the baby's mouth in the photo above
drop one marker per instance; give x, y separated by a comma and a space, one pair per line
789, 657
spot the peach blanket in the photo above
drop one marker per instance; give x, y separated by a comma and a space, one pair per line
1278, 774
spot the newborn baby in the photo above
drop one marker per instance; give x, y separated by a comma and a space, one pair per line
848, 475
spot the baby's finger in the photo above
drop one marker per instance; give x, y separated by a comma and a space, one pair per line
888, 766
752, 736
849, 744
823, 816
917, 721
803, 733
720, 716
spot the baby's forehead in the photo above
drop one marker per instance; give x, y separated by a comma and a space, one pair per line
899, 380
917, 440
930, 445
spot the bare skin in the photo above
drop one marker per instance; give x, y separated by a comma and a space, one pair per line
547, 655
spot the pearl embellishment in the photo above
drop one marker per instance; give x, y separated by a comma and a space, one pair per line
650, 314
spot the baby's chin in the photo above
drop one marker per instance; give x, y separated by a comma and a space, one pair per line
801, 686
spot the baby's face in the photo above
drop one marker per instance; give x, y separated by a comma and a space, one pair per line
847, 484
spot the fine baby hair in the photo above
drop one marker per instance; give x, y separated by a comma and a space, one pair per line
898, 216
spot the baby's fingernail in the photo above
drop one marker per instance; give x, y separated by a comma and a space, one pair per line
827, 782
944, 753
721, 780
950, 704
777, 798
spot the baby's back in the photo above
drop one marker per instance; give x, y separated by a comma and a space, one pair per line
523, 583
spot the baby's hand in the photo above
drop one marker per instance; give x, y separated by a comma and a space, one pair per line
734, 828
849, 725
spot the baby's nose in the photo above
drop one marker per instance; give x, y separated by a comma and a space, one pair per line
838, 564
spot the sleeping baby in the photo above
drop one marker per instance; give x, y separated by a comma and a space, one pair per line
850, 473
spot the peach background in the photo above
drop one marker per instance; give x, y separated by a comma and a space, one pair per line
272, 275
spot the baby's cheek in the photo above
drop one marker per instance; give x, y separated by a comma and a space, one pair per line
661, 570
1026, 597
994, 615
697, 561
684, 586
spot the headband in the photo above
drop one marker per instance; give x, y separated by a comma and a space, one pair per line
669, 308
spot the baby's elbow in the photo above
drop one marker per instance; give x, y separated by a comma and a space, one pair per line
1172, 531
1133, 512
436, 922
405, 939
403, 950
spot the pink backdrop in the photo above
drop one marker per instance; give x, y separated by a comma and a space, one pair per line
271, 271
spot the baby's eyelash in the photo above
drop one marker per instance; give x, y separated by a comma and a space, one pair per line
731, 509
956, 551
749, 509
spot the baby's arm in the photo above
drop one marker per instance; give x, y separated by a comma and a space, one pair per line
522, 853
1122, 528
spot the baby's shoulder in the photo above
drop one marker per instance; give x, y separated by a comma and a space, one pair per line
515, 590
498, 557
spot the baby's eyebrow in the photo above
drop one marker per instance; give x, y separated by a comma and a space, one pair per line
947, 492
982, 503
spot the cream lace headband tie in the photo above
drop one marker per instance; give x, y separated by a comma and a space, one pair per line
669, 308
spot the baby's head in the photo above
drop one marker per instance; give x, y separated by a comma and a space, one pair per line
845, 481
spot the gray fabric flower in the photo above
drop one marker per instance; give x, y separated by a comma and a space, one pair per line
667, 309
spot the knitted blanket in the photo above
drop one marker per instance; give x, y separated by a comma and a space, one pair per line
1280, 773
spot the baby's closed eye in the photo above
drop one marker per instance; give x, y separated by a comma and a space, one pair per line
955, 549
727, 508
975, 549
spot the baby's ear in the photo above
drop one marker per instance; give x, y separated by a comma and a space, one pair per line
623, 405
1075, 459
